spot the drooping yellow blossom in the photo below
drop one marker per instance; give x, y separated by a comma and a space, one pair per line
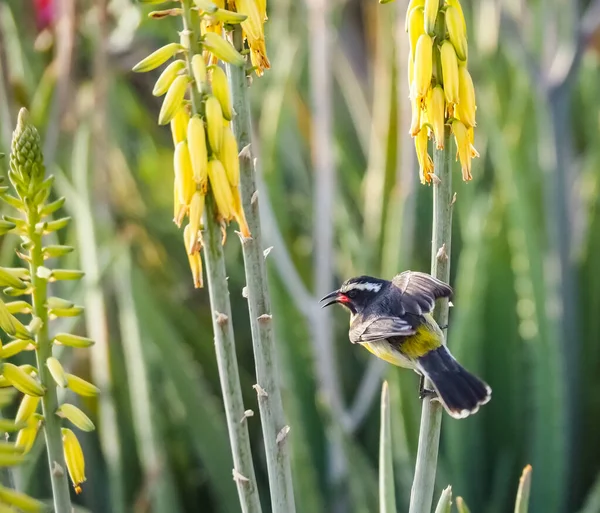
199, 108
74, 459
442, 95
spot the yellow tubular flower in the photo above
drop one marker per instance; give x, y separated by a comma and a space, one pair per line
431, 12
214, 123
423, 65
206, 6
179, 125
173, 100
222, 49
229, 157
450, 74
27, 408
157, 58
416, 27
456, 31
75, 416
194, 259
436, 115
466, 92
458, 7
57, 372
238, 212
199, 72
220, 89
253, 26
73, 458
229, 17
196, 211
412, 4
415, 124
27, 435
220, 188
167, 76
66, 339
464, 148
196, 137
21, 501
81, 386
425, 161
22, 381
184, 176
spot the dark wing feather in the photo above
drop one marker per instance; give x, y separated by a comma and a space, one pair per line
379, 328
419, 291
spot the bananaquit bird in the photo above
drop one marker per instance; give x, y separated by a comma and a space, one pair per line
392, 319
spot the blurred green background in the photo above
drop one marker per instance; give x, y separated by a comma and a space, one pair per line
340, 197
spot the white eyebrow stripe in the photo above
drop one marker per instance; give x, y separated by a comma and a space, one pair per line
373, 287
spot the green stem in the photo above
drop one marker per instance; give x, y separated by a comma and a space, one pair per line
431, 414
54, 445
216, 276
387, 493
259, 303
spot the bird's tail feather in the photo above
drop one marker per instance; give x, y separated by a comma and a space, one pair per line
460, 392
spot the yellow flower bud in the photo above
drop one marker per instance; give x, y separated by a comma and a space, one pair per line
66, 339
199, 72
27, 435
436, 115
416, 27
415, 124
66, 274
227, 17
21, 501
222, 49
466, 92
220, 188
22, 381
425, 161
206, 5
411, 5
81, 386
15, 347
220, 89
463, 145
73, 458
58, 373
450, 74
167, 76
184, 176
238, 212
173, 99
11, 325
194, 259
75, 416
179, 125
27, 408
229, 157
457, 32
423, 65
195, 215
157, 58
214, 123
197, 147
431, 11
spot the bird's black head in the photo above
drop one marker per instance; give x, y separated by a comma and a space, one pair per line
356, 293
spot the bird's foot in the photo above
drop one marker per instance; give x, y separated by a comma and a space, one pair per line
424, 393
444, 327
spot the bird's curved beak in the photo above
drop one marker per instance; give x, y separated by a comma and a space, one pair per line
331, 298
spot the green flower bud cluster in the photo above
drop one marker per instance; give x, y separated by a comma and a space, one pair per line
32, 220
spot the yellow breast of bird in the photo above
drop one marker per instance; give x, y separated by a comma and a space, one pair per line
427, 338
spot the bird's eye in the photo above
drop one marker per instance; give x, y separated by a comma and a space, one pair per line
351, 294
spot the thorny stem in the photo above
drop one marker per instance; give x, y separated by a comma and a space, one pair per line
54, 445
259, 304
222, 325
431, 415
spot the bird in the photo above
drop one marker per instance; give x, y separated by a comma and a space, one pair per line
394, 321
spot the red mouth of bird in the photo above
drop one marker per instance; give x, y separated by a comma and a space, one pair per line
334, 297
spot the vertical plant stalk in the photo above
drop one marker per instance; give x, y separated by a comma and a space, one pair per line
431, 413
387, 492
243, 472
52, 428
259, 303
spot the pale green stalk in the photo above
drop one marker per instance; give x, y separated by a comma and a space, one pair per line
273, 422
54, 445
387, 493
216, 275
431, 414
